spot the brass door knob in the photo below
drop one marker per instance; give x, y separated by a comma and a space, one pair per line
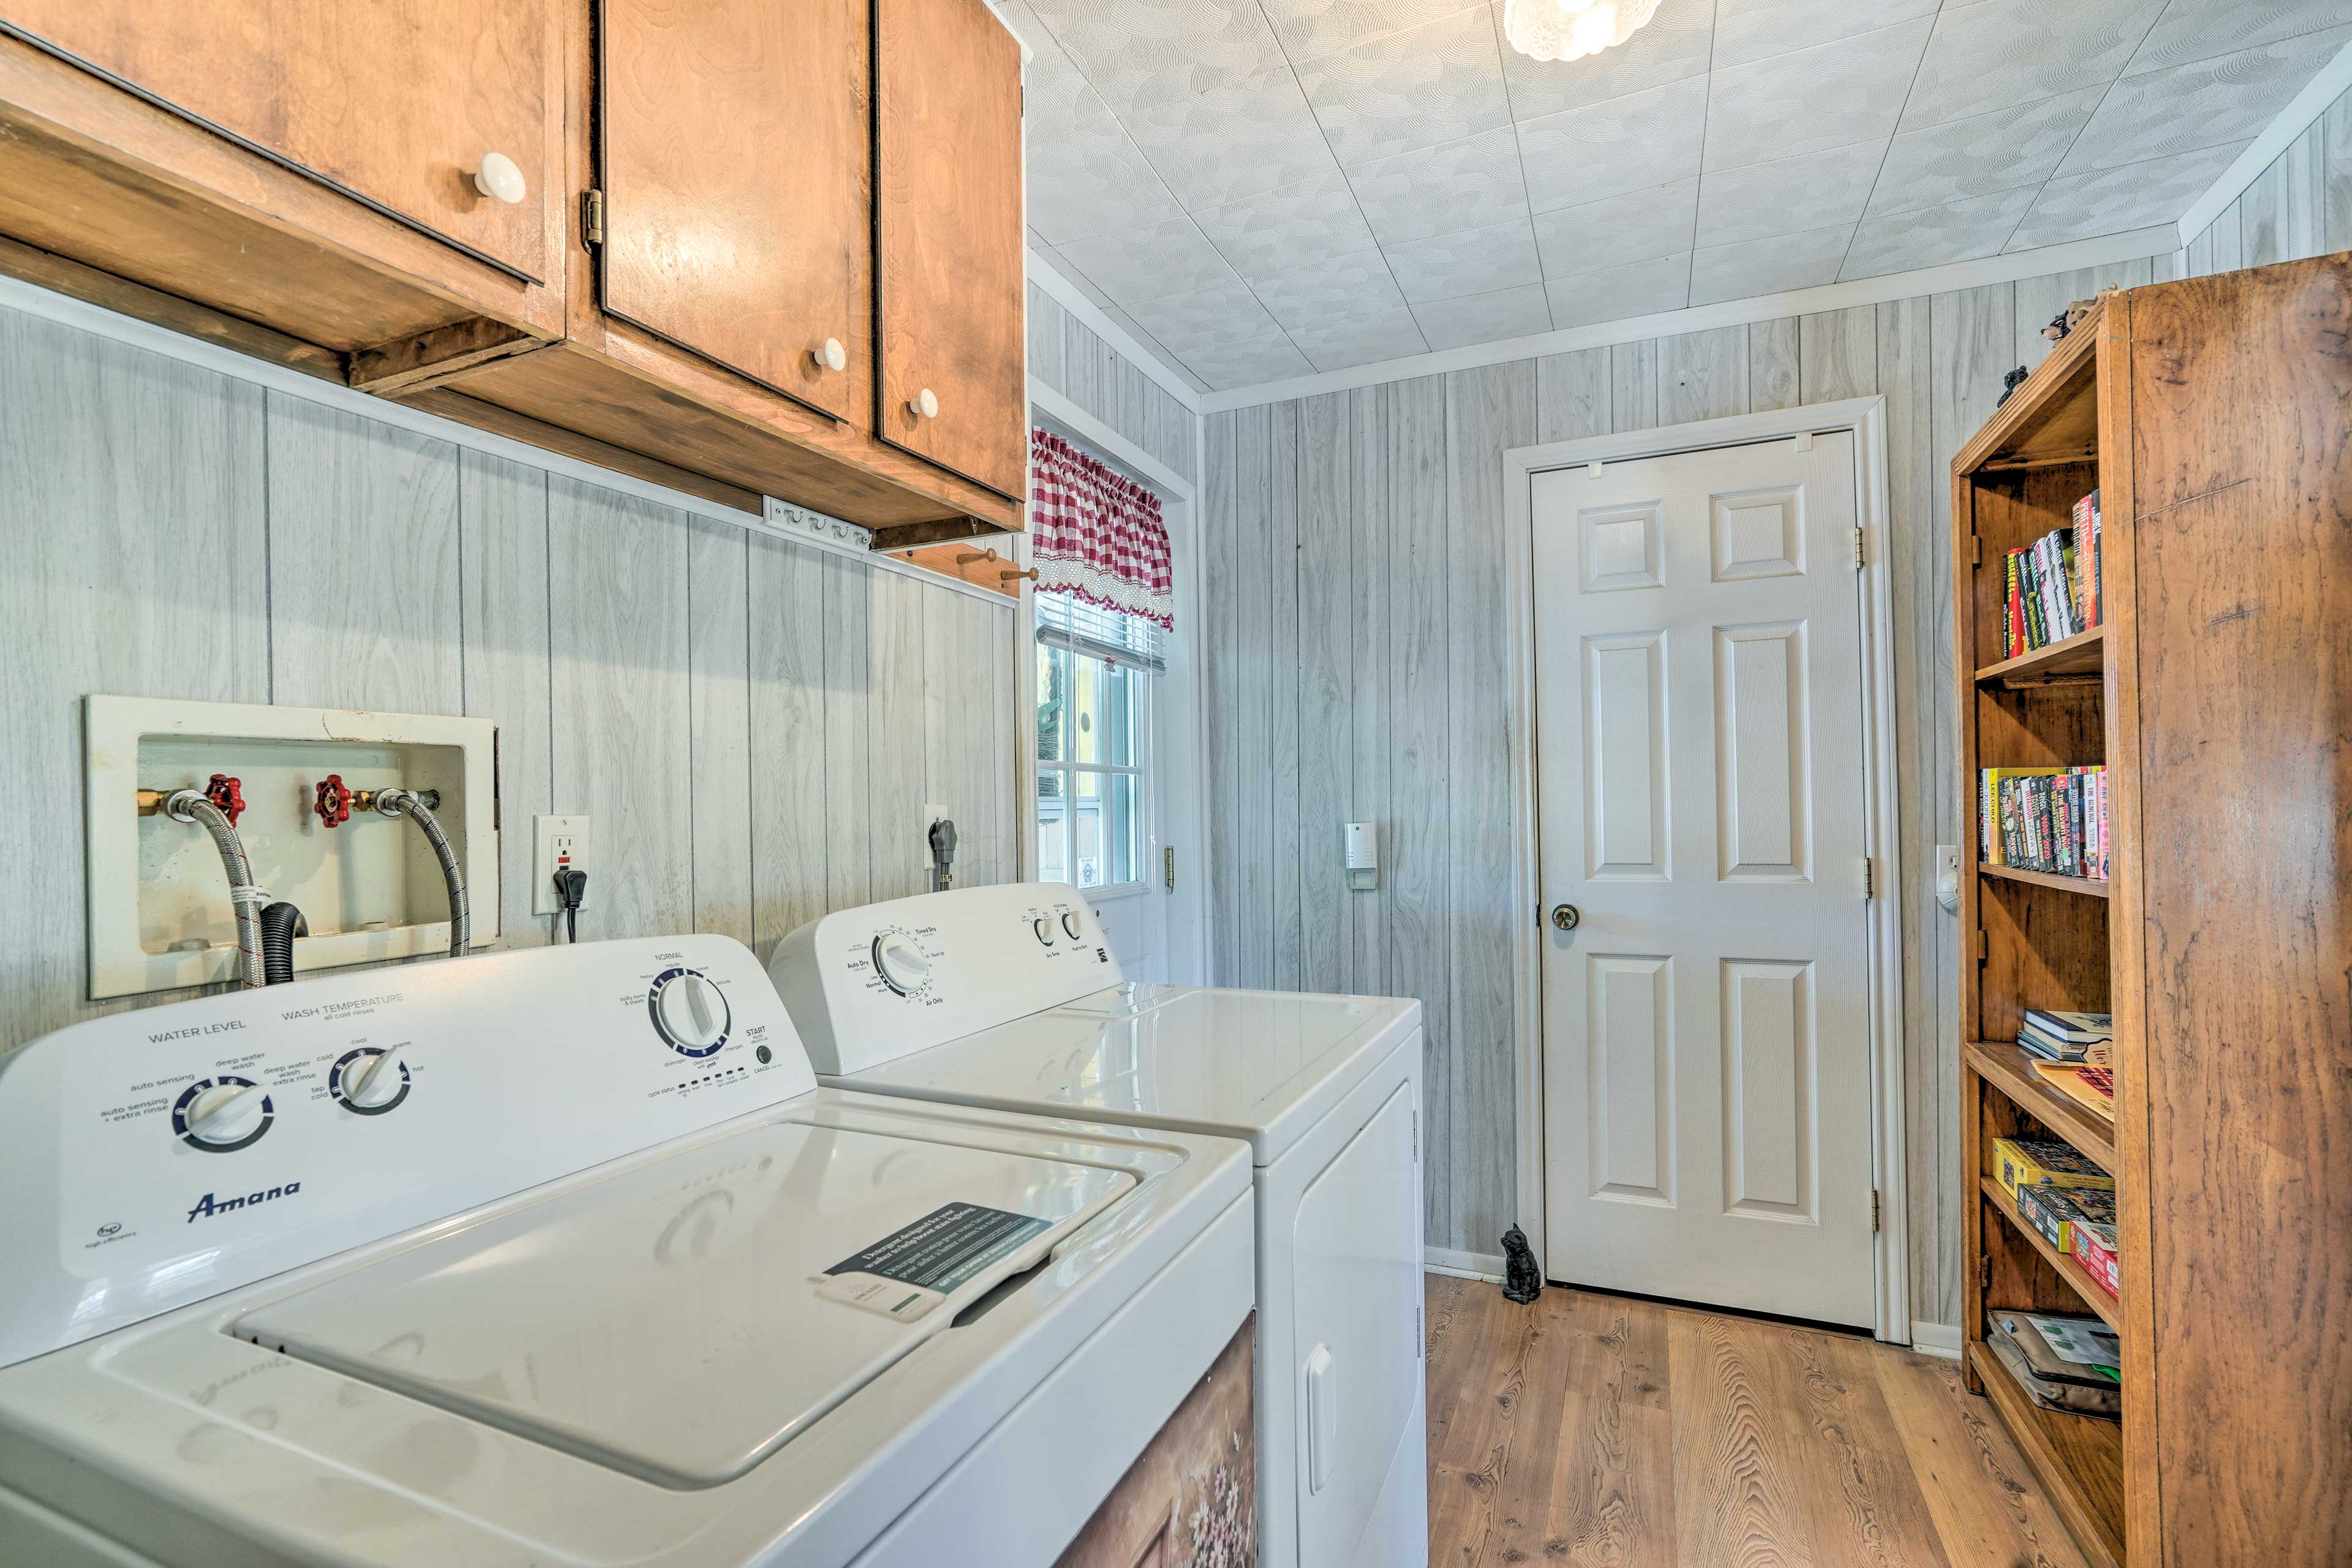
1566, 917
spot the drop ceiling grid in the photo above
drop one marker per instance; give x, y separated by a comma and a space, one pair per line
1257, 189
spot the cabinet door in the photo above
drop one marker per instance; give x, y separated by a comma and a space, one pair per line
948, 231
395, 101
736, 171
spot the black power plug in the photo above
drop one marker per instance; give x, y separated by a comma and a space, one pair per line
571, 887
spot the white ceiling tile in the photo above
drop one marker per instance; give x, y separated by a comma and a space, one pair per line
1151, 346
2115, 201
1485, 318
1147, 263
1248, 362
1981, 155
1439, 82
1811, 99
1957, 231
1242, 138
1310, 29
1815, 191
1327, 291
2200, 30
1476, 261
1770, 266
1223, 312
1613, 293
1283, 230
1469, 183
1139, 51
1749, 31
1635, 226
1362, 340
1671, 46
2183, 108
1994, 54
1629, 143
1085, 175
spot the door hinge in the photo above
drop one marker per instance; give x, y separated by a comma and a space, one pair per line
592, 217
1869, 876
1860, 553
1168, 866
1874, 1209
1416, 1136
1420, 1334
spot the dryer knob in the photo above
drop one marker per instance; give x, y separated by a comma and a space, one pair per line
691, 1012
903, 966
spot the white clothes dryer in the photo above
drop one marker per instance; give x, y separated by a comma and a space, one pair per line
564, 1256
1009, 998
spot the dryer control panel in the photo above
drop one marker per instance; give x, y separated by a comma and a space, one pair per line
159, 1157
869, 986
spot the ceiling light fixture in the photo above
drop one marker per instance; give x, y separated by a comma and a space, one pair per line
1572, 29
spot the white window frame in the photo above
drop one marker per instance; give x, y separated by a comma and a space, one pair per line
1147, 791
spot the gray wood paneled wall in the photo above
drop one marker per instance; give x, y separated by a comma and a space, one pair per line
2301, 205
754, 724
1359, 670
1073, 359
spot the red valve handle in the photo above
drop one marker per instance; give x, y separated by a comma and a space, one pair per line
334, 803
224, 792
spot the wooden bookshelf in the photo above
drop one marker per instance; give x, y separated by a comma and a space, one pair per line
2212, 416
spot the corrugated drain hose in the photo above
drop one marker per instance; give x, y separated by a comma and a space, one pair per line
403, 803
244, 897
281, 922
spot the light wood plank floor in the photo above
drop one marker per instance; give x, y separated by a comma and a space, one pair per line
1592, 1429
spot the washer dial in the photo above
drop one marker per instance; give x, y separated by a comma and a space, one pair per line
901, 963
370, 1080
222, 1115
690, 1012
1070, 923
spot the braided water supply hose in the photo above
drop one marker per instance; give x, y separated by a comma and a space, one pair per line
244, 897
405, 802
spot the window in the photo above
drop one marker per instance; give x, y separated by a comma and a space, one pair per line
1095, 670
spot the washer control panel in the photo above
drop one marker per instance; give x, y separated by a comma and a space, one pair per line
167, 1154
872, 984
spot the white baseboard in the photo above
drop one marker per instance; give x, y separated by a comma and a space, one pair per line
1937, 1339
1462, 1265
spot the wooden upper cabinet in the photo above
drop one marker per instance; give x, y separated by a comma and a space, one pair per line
735, 173
948, 236
394, 101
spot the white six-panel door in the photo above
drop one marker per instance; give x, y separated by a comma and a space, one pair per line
1701, 802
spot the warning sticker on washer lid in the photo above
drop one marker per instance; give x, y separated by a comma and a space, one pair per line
946, 1247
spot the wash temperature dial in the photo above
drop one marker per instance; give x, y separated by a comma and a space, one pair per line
222, 1115
901, 963
370, 1080
690, 1012
1043, 926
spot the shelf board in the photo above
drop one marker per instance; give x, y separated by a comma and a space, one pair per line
2079, 1459
2076, 1278
2053, 416
2090, 886
2080, 658
2009, 1069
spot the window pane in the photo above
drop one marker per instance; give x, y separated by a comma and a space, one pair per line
1087, 709
1086, 825
1052, 679
1123, 705
1126, 828
1053, 840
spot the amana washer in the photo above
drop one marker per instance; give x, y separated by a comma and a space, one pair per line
562, 1256
1008, 997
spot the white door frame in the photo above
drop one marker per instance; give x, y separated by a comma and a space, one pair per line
1866, 417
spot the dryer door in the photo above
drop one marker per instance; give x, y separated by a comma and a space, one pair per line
1357, 1338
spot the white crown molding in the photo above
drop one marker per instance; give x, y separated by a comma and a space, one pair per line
2005, 268
48, 305
1046, 276
2303, 112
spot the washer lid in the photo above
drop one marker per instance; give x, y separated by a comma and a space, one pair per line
1260, 1065
682, 1321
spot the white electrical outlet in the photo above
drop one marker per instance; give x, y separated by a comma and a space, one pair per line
930, 814
1948, 877
557, 844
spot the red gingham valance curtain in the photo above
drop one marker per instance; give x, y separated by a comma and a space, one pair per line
1097, 533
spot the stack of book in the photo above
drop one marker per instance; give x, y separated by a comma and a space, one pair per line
2072, 1052
2054, 584
2044, 819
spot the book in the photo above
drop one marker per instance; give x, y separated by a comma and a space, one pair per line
2044, 1161
2052, 820
2052, 588
2083, 1027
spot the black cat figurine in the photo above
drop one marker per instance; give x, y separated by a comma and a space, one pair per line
1522, 1281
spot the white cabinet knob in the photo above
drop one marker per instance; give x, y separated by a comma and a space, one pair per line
499, 178
924, 405
831, 356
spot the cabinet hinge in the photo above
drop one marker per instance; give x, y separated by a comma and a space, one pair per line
1984, 1271
1874, 1209
592, 217
1168, 866
1860, 553
1975, 551
1984, 947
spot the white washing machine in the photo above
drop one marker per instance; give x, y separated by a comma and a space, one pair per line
1008, 997
562, 1256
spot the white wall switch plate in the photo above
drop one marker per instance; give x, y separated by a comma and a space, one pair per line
556, 843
